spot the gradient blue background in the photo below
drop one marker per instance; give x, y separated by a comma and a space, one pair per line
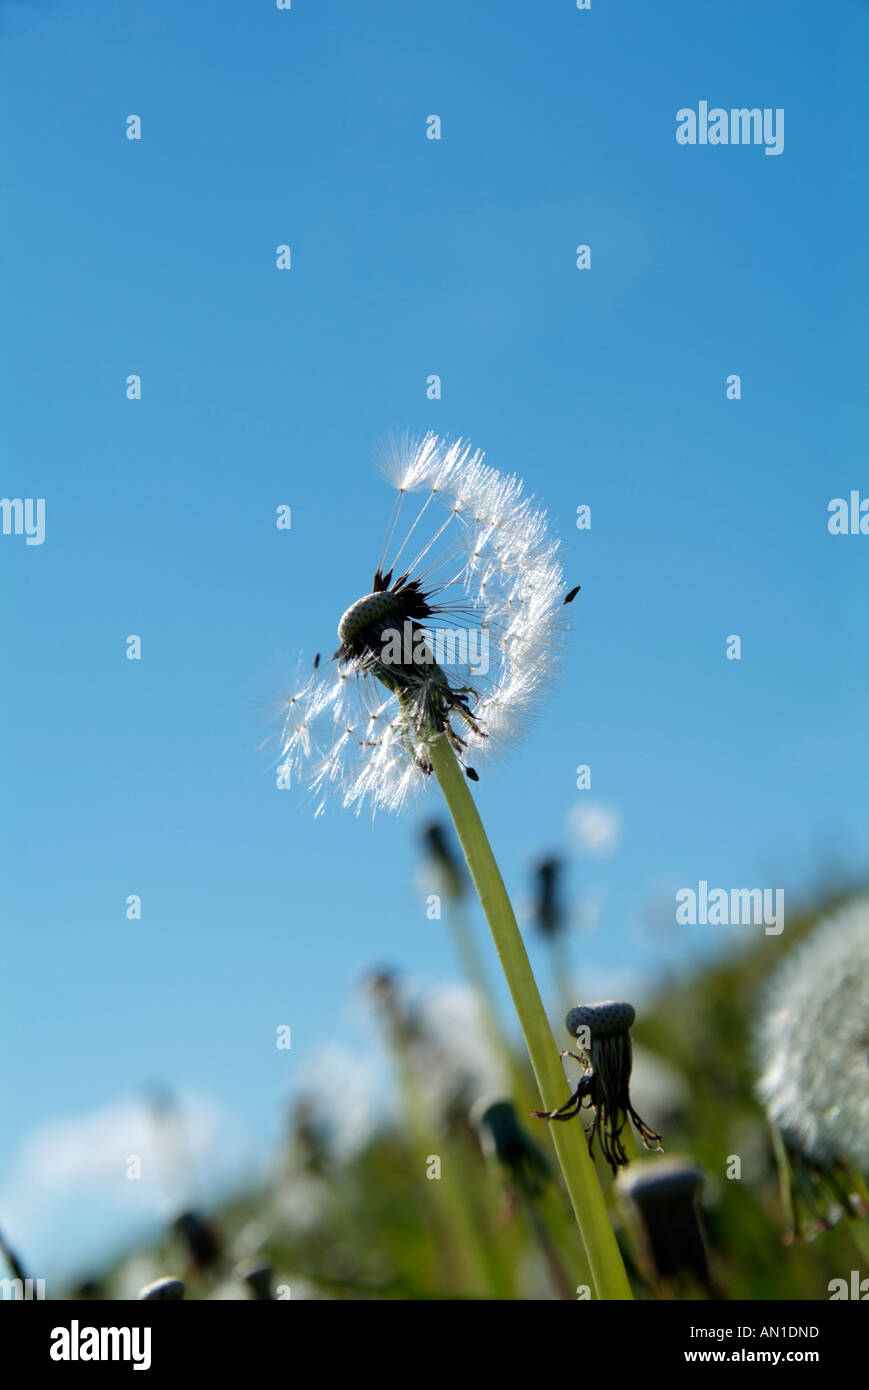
605, 387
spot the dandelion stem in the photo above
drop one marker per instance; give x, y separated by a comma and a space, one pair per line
605, 1261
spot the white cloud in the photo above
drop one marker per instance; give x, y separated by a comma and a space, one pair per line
343, 1086
67, 1193
596, 829
457, 1056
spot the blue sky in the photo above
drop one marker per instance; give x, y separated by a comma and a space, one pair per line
603, 387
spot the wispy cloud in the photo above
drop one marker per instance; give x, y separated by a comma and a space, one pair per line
596, 829
344, 1087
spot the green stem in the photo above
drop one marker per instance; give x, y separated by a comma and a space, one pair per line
608, 1272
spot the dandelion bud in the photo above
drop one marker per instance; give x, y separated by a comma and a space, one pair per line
548, 911
664, 1196
162, 1289
202, 1243
447, 867
382, 985
309, 1138
503, 1138
89, 1288
400, 1018
257, 1275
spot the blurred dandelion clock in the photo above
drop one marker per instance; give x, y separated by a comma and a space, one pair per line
813, 1042
457, 636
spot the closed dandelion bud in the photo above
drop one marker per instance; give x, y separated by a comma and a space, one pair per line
89, 1288
256, 1274
503, 1138
310, 1149
547, 910
401, 1020
202, 1243
527, 1169
665, 1198
161, 1289
448, 870
382, 986
603, 1033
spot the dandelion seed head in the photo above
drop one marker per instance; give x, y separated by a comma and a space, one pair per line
459, 634
813, 1041
373, 608
604, 1020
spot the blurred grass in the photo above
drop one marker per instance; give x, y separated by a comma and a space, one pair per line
370, 1227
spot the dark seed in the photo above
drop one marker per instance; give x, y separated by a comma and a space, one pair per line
573, 593
470, 773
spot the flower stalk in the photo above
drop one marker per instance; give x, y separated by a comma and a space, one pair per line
605, 1262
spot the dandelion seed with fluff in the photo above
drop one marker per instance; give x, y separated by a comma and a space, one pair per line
383, 716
